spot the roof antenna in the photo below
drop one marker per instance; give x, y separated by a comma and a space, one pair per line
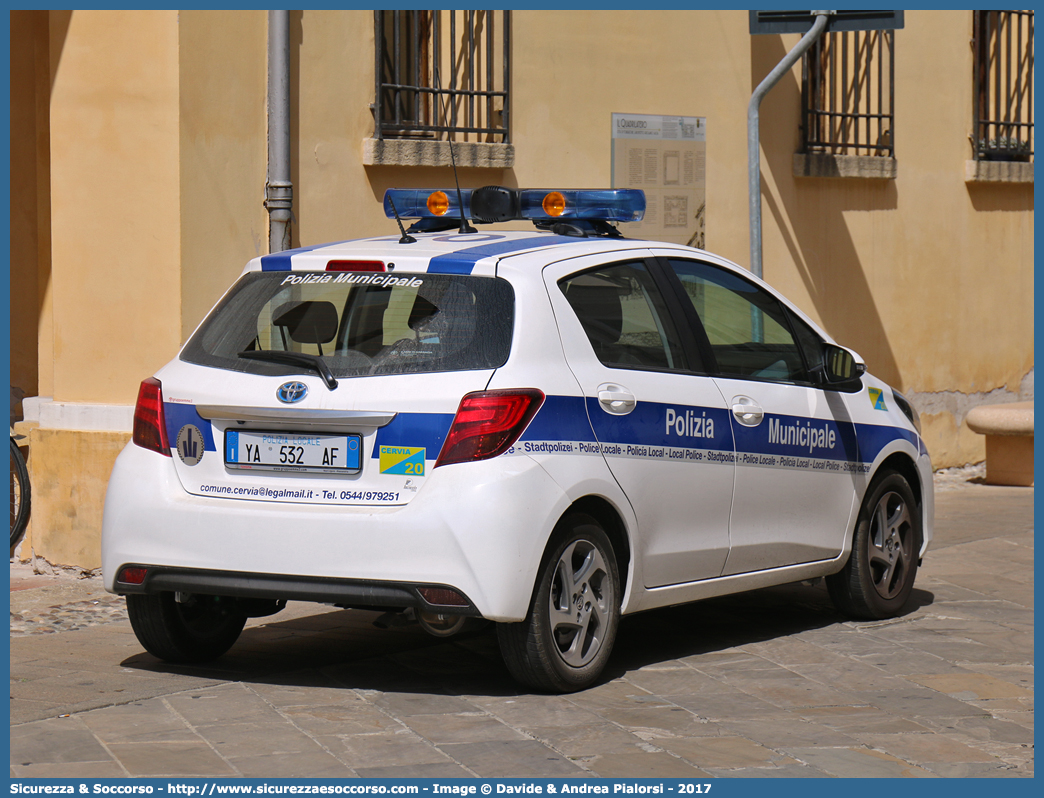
464, 226
406, 237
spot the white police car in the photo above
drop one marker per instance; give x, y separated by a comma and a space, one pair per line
545, 429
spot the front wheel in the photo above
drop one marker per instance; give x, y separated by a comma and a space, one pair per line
568, 634
879, 576
198, 629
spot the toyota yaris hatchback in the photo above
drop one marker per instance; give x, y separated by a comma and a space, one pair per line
545, 429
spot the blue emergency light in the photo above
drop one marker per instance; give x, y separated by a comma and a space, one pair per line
498, 204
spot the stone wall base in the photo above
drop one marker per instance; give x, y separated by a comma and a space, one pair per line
69, 472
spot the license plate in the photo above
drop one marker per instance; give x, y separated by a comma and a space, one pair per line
291, 451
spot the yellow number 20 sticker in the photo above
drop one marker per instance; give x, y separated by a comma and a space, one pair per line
402, 460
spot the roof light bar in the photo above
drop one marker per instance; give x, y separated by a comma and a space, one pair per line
414, 203
609, 204
494, 203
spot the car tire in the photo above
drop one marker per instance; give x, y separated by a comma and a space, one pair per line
878, 578
198, 630
569, 631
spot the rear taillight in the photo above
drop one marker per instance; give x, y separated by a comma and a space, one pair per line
150, 428
488, 423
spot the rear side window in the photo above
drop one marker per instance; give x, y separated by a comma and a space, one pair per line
360, 324
624, 317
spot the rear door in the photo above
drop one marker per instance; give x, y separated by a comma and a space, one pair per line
663, 427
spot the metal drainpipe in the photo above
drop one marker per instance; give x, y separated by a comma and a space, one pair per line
753, 136
279, 191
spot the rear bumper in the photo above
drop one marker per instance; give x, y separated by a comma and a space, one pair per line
479, 528
354, 593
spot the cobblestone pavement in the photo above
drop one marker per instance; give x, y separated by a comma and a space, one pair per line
769, 683
67, 617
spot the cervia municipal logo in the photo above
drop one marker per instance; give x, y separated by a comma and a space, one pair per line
877, 398
290, 392
190, 444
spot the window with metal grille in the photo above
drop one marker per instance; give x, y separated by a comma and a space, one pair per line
1003, 124
443, 75
848, 94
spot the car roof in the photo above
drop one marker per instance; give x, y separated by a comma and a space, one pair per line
443, 252
481, 253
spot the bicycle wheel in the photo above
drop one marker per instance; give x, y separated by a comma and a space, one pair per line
20, 494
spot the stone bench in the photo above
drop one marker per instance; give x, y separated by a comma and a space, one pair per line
1009, 441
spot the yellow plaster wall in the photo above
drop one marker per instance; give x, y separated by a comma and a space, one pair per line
222, 73
950, 442
115, 212
157, 167
331, 64
69, 472
892, 268
29, 233
926, 276
111, 310
577, 68
332, 85
929, 278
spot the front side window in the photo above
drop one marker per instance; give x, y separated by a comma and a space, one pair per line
442, 75
811, 346
360, 324
746, 327
625, 318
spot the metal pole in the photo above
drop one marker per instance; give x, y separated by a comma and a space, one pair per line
279, 191
753, 140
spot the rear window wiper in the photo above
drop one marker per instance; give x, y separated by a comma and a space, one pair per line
311, 362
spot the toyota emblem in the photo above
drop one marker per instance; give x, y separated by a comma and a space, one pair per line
290, 392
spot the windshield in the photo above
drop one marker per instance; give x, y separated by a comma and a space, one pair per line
360, 324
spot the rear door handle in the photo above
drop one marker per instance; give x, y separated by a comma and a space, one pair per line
747, 411
616, 399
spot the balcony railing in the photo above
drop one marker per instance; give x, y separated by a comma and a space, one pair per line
443, 74
1003, 103
848, 94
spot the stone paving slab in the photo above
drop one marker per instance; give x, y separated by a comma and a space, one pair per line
76, 770
788, 732
167, 759
769, 684
860, 763
599, 739
462, 728
643, 764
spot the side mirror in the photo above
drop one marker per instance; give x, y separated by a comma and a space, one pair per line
842, 369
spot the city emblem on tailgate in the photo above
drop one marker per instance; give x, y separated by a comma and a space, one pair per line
290, 392
190, 444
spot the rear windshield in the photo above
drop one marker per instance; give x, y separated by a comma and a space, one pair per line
360, 324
